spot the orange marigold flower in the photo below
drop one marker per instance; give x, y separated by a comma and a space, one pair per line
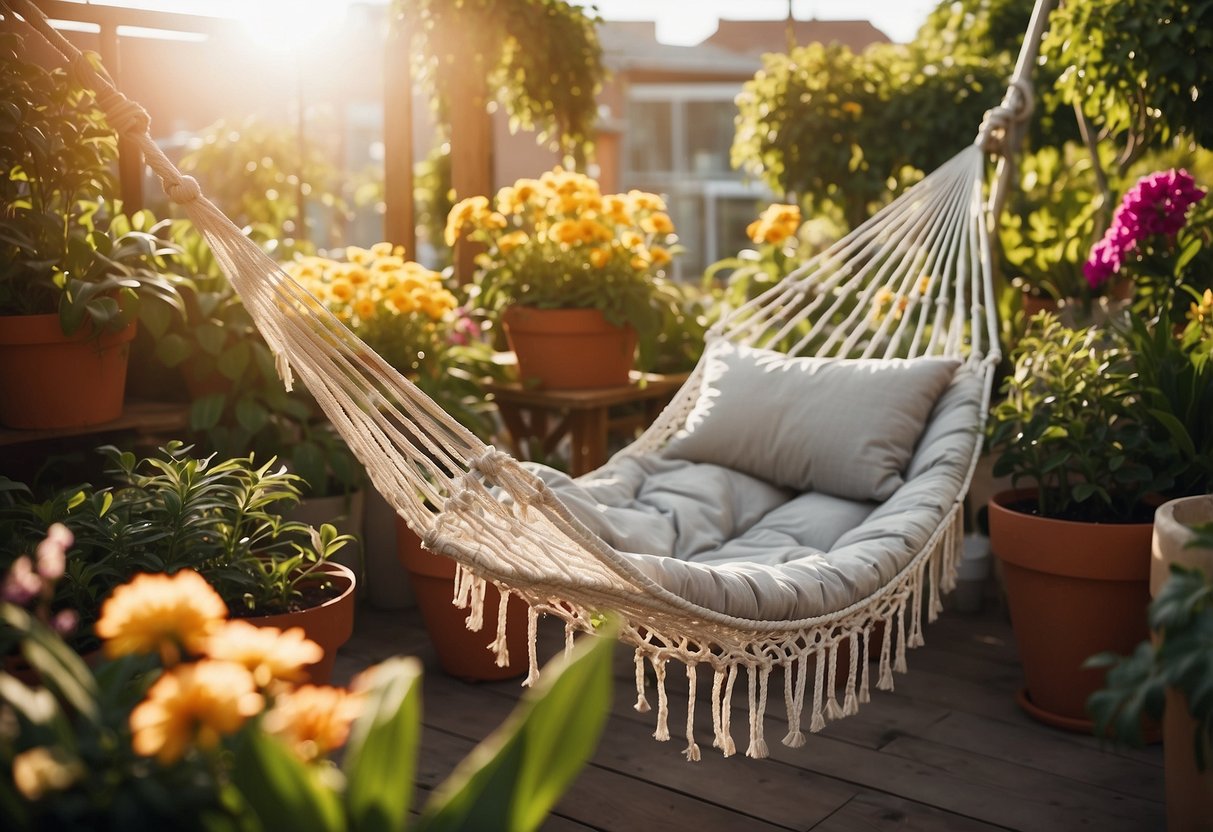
160, 613
599, 257
658, 223
566, 232
642, 201
631, 239
193, 704
660, 256
266, 652
511, 241
313, 720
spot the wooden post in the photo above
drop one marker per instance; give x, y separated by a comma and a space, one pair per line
399, 217
471, 143
130, 158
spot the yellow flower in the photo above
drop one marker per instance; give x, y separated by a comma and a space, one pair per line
642, 201
593, 231
313, 720
852, 107
512, 241
599, 257
160, 613
193, 704
266, 652
658, 223
1203, 311
384, 249
460, 214
402, 302
361, 256
357, 275
776, 224
342, 290
41, 770
491, 221
631, 239
640, 261
617, 209
566, 232
924, 283
388, 263
660, 255
364, 308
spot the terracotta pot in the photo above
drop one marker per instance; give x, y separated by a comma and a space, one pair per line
1035, 304
1189, 791
50, 380
462, 653
1074, 590
330, 625
569, 349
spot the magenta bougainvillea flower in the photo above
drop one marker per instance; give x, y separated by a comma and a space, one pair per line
1156, 206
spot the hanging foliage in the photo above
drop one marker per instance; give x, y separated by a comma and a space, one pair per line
541, 57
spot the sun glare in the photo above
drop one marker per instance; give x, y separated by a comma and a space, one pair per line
291, 25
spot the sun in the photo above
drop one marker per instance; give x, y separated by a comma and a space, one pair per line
291, 25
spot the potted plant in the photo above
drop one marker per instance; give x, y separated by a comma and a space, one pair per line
72, 268
220, 518
405, 313
1171, 677
1075, 547
576, 277
193, 725
1099, 421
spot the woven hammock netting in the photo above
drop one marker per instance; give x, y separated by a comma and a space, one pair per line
927, 255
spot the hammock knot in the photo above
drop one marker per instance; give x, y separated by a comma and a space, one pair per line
183, 190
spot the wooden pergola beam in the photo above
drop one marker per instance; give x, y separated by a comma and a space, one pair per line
400, 216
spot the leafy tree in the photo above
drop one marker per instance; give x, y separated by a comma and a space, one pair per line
1139, 69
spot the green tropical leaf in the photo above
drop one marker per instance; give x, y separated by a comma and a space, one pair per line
382, 751
281, 791
514, 778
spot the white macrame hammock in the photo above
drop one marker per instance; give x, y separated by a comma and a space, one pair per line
531, 546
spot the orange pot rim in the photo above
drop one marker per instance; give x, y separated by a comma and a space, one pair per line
1064, 547
20, 330
578, 321
328, 569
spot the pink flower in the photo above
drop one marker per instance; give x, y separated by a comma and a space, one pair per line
52, 552
22, 584
1156, 205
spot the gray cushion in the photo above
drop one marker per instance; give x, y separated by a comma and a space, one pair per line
846, 427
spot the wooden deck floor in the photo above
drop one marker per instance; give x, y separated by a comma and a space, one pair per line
947, 750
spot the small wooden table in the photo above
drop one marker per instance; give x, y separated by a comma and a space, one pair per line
537, 420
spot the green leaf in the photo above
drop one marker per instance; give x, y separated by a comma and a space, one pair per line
382, 751
513, 778
211, 337
155, 318
251, 415
233, 361
280, 790
206, 412
173, 349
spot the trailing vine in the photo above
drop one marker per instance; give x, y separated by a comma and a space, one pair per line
541, 57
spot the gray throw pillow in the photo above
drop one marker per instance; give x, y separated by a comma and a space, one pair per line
845, 427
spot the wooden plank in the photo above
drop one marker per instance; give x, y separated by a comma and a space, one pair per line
877, 811
1047, 751
1047, 798
399, 217
627, 748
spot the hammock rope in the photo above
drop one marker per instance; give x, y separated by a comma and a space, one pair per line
915, 279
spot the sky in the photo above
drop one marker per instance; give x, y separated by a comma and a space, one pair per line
687, 22
682, 22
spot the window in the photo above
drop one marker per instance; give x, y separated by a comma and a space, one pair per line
677, 142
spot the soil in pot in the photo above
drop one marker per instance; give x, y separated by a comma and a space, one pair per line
327, 617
